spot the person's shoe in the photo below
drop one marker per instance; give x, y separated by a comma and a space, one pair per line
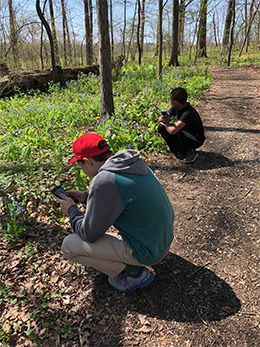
125, 283
190, 157
178, 155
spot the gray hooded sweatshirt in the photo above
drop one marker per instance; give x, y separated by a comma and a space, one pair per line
126, 194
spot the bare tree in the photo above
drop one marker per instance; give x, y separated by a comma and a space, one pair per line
202, 30
111, 29
107, 102
228, 21
41, 38
182, 15
124, 31
66, 36
13, 33
249, 28
49, 33
142, 14
138, 32
215, 30
54, 36
160, 38
89, 31
251, 12
132, 34
175, 28
231, 34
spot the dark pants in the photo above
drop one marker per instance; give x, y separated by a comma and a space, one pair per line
181, 143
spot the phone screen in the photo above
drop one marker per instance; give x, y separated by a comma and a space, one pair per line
165, 114
57, 191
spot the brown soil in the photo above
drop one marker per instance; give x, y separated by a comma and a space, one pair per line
206, 292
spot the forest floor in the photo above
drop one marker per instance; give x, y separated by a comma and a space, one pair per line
205, 293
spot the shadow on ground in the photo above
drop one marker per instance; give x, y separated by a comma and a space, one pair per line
205, 161
181, 291
253, 131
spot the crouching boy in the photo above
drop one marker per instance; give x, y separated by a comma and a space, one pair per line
124, 193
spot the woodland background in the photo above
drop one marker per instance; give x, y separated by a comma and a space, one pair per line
181, 32
206, 293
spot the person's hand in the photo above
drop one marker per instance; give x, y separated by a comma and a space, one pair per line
65, 203
79, 195
164, 120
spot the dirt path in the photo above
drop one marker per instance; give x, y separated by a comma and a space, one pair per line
206, 292
216, 201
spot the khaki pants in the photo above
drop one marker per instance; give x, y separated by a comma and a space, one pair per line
109, 254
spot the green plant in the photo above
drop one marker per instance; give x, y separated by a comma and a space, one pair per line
37, 131
64, 331
13, 209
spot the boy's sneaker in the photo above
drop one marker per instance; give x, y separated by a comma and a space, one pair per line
190, 157
178, 155
125, 283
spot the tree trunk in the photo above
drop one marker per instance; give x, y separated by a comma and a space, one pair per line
111, 29
231, 35
132, 33
175, 27
215, 30
88, 30
124, 31
182, 15
228, 21
48, 30
251, 10
246, 19
182, 8
160, 38
13, 33
54, 36
64, 32
142, 27
41, 38
202, 32
249, 28
107, 102
138, 32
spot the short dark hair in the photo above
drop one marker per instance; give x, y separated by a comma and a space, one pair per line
103, 156
179, 94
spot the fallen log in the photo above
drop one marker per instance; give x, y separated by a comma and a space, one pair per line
27, 81
39, 80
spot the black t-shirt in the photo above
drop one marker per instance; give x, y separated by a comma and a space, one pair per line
192, 120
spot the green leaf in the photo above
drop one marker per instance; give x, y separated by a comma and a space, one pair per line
80, 182
26, 151
2, 193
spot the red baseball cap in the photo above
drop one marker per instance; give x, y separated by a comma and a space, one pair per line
86, 146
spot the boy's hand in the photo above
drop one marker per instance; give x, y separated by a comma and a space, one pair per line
164, 120
65, 203
80, 196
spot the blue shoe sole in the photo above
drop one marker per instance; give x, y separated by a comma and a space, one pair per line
139, 285
191, 161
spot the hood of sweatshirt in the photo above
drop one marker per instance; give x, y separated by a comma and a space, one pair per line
126, 161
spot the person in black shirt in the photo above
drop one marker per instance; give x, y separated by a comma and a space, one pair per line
187, 133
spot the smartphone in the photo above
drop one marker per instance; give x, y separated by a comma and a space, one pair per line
165, 114
57, 191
